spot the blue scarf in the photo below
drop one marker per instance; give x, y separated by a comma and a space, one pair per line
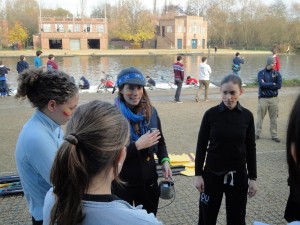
132, 118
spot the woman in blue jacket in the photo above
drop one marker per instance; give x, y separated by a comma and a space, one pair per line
55, 97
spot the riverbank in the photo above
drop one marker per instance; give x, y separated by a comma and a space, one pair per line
116, 52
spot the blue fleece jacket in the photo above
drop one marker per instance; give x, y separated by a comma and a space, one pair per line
35, 151
269, 81
37, 62
22, 65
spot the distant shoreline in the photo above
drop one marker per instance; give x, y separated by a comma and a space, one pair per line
120, 52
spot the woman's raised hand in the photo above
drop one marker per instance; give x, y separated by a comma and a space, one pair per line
148, 139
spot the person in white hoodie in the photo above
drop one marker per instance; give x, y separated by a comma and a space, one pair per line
205, 72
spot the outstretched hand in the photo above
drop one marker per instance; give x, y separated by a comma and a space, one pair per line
148, 139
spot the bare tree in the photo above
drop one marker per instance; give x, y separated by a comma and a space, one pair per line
82, 8
220, 16
197, 7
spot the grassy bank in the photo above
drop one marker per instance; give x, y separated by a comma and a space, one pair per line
112, 52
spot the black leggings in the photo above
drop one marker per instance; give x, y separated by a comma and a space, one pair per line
146, 195
236, 197
34, 222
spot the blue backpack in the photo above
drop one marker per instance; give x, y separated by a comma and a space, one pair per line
236, 67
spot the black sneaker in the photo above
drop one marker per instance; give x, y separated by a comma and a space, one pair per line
276, 139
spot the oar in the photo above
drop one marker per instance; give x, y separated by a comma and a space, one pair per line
20, 191
10, 184
18, 187
9, 180
8, 176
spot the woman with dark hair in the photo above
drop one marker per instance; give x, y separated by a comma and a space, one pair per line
55, 97
226, 142
146, 138
292, 211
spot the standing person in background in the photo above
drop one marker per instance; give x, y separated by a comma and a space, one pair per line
179, 77
55, 97
292, 210
146, 139
269, 81
87, 162
22, 64
216, 49
37, 60
204, 78
288, 50
236, 63
226, 142
51, 64
3, 80
277, 65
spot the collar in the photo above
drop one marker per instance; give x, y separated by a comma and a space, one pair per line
100, 198
222, 107
45, 119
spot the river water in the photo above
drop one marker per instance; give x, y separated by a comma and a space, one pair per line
159, 67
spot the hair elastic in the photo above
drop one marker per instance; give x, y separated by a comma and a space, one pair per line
72, 138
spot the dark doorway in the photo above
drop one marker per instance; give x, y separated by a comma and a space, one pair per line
55, 43
93, 43
163, 31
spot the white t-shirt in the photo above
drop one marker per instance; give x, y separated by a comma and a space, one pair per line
205, 71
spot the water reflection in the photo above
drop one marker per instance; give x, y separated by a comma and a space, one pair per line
159, 67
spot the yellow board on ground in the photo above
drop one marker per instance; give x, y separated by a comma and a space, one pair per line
186, 160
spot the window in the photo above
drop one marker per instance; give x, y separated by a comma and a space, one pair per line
100, 28
59, 27
169, 29
87, 28
46, 27
77, 28
70, 27
179, 29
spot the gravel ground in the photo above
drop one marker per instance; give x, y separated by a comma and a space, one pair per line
180, 123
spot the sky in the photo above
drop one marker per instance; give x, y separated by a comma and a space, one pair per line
73, 5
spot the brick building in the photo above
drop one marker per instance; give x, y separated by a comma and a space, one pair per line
182, 32
71, 33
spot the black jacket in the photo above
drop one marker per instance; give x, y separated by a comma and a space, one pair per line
139, 166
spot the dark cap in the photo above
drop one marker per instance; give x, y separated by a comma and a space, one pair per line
271, 60
130, 75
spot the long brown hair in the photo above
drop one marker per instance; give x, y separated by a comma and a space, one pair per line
40, 87
95, 136
293, 137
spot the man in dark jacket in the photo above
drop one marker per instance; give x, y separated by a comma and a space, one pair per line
22, 64
84, 83
269, 81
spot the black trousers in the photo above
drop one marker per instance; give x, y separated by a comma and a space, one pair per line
236, 197
34, 222
146, 195
292, 210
